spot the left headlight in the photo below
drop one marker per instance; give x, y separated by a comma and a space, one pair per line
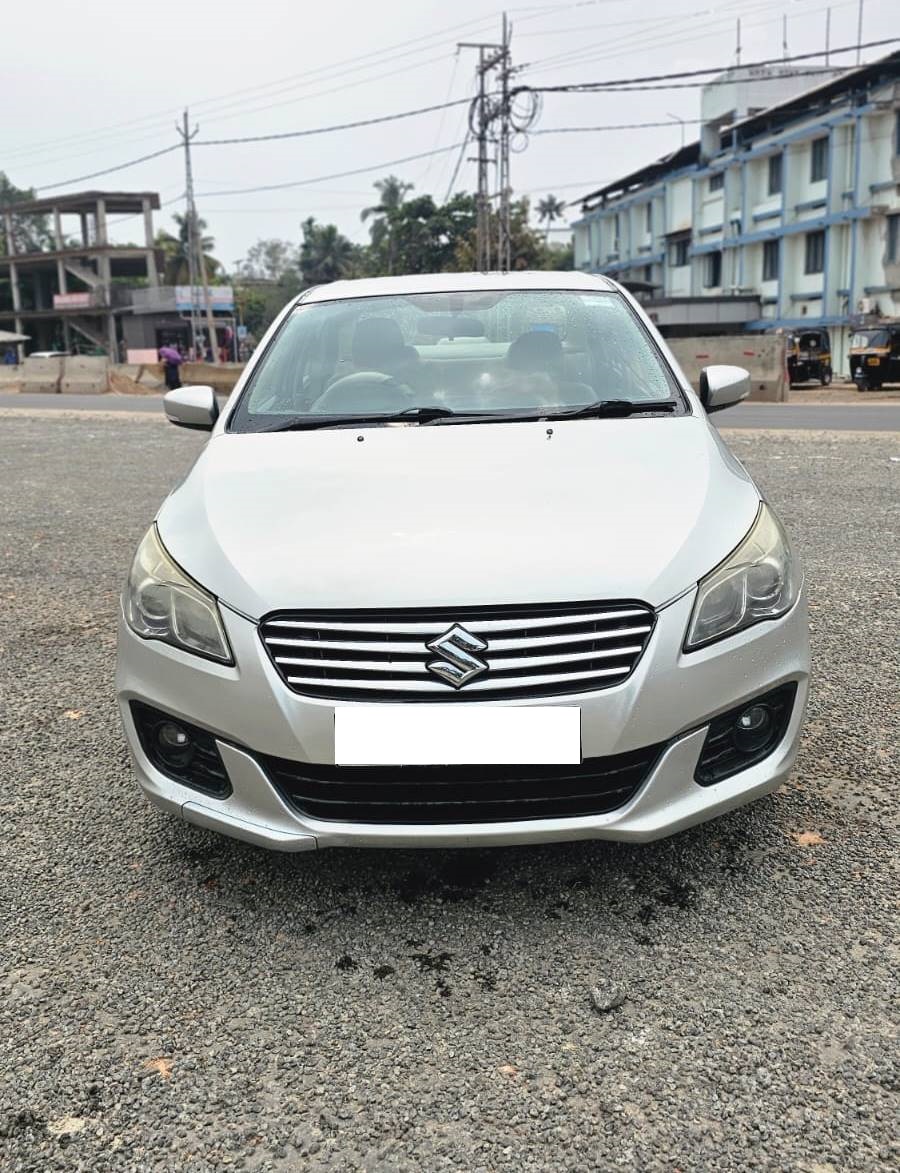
759, 580
161, 602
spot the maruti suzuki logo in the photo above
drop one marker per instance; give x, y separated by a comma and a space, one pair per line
458, 664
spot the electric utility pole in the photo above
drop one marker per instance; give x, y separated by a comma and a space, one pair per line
196, 259
481, 115
504, 243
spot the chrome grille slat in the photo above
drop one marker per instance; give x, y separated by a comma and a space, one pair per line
498, 664
418, 645
519, 651
482, 685
478, 626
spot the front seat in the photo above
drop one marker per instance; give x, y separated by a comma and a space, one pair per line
378, 346
538, 357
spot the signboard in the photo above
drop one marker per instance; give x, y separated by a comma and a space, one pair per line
242, 332
221, 298
71, 301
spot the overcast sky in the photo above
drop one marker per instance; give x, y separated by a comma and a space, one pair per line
89, 86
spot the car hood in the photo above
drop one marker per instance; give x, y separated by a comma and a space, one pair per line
454, 515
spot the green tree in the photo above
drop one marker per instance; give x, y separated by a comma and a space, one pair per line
175, 251
270, 260
326, 254
392, 193
550, 209
31, 234
528, 249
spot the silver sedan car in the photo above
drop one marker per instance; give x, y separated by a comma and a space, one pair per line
463, 562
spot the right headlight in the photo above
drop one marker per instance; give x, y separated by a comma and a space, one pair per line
161, 602
759, 580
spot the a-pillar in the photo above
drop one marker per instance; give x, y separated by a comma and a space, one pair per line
152, 274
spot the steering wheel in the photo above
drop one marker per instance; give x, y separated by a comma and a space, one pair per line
364, 391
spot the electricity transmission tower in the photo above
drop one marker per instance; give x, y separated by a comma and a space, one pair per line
196, 259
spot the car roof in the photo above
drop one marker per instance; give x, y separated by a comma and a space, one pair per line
458, 283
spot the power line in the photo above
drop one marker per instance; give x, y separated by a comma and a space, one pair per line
265, 138
453, 177
612, 126
159, 118
110, 170
619, 83
336, 175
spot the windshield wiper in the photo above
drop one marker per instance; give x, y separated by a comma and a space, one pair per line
414, 415
614, 407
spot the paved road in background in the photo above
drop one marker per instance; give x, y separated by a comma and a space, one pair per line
874, 417
174, 1000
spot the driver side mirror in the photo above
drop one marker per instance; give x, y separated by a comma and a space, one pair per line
192, 407
723, 386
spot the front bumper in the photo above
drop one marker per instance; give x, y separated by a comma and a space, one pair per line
670, 697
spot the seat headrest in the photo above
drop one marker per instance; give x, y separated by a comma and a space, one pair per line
375, 341
535, 350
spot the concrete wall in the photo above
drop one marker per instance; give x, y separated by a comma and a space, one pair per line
85, 375
10, 379
763, 355
41, 375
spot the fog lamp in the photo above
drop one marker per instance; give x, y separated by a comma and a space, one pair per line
174, 744
753, 728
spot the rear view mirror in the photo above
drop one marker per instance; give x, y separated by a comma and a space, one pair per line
723, 386
192, 407
449, 326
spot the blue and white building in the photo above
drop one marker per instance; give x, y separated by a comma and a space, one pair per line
785, 213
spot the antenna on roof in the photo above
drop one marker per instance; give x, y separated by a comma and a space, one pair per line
827, 34
738, 49
859, 20
784, 45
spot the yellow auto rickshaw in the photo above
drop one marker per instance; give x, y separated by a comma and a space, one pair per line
875, 356
809, 357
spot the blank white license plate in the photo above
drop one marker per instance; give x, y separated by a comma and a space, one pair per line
457, 735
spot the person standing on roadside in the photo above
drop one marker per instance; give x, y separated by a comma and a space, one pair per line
172, 360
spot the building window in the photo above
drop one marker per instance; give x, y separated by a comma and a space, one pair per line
897, 133
712, 278
771, 251
681, 252
815, 252
648, 223
774, 174
648, 273
717, 181
819, 163
893, 240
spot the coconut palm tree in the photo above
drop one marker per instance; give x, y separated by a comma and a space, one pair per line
392, 192
550, 209
325, 254
175, 249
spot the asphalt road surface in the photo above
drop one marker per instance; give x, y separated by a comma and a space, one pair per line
874, 417
174, 1000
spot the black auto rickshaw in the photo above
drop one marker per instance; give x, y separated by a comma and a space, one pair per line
875, 356
809, 357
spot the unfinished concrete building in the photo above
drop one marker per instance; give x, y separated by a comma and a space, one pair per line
70, 292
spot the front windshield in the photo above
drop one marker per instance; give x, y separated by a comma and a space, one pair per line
866, 338
524, 352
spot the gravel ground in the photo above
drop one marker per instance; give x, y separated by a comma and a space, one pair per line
173, 1000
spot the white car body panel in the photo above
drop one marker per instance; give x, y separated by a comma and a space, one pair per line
463, 515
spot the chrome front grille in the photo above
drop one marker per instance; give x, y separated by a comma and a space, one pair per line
464, 653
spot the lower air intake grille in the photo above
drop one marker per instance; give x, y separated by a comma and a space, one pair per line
458, 654
460, 794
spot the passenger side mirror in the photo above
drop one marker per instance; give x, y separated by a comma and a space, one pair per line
192, 407
723, 386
